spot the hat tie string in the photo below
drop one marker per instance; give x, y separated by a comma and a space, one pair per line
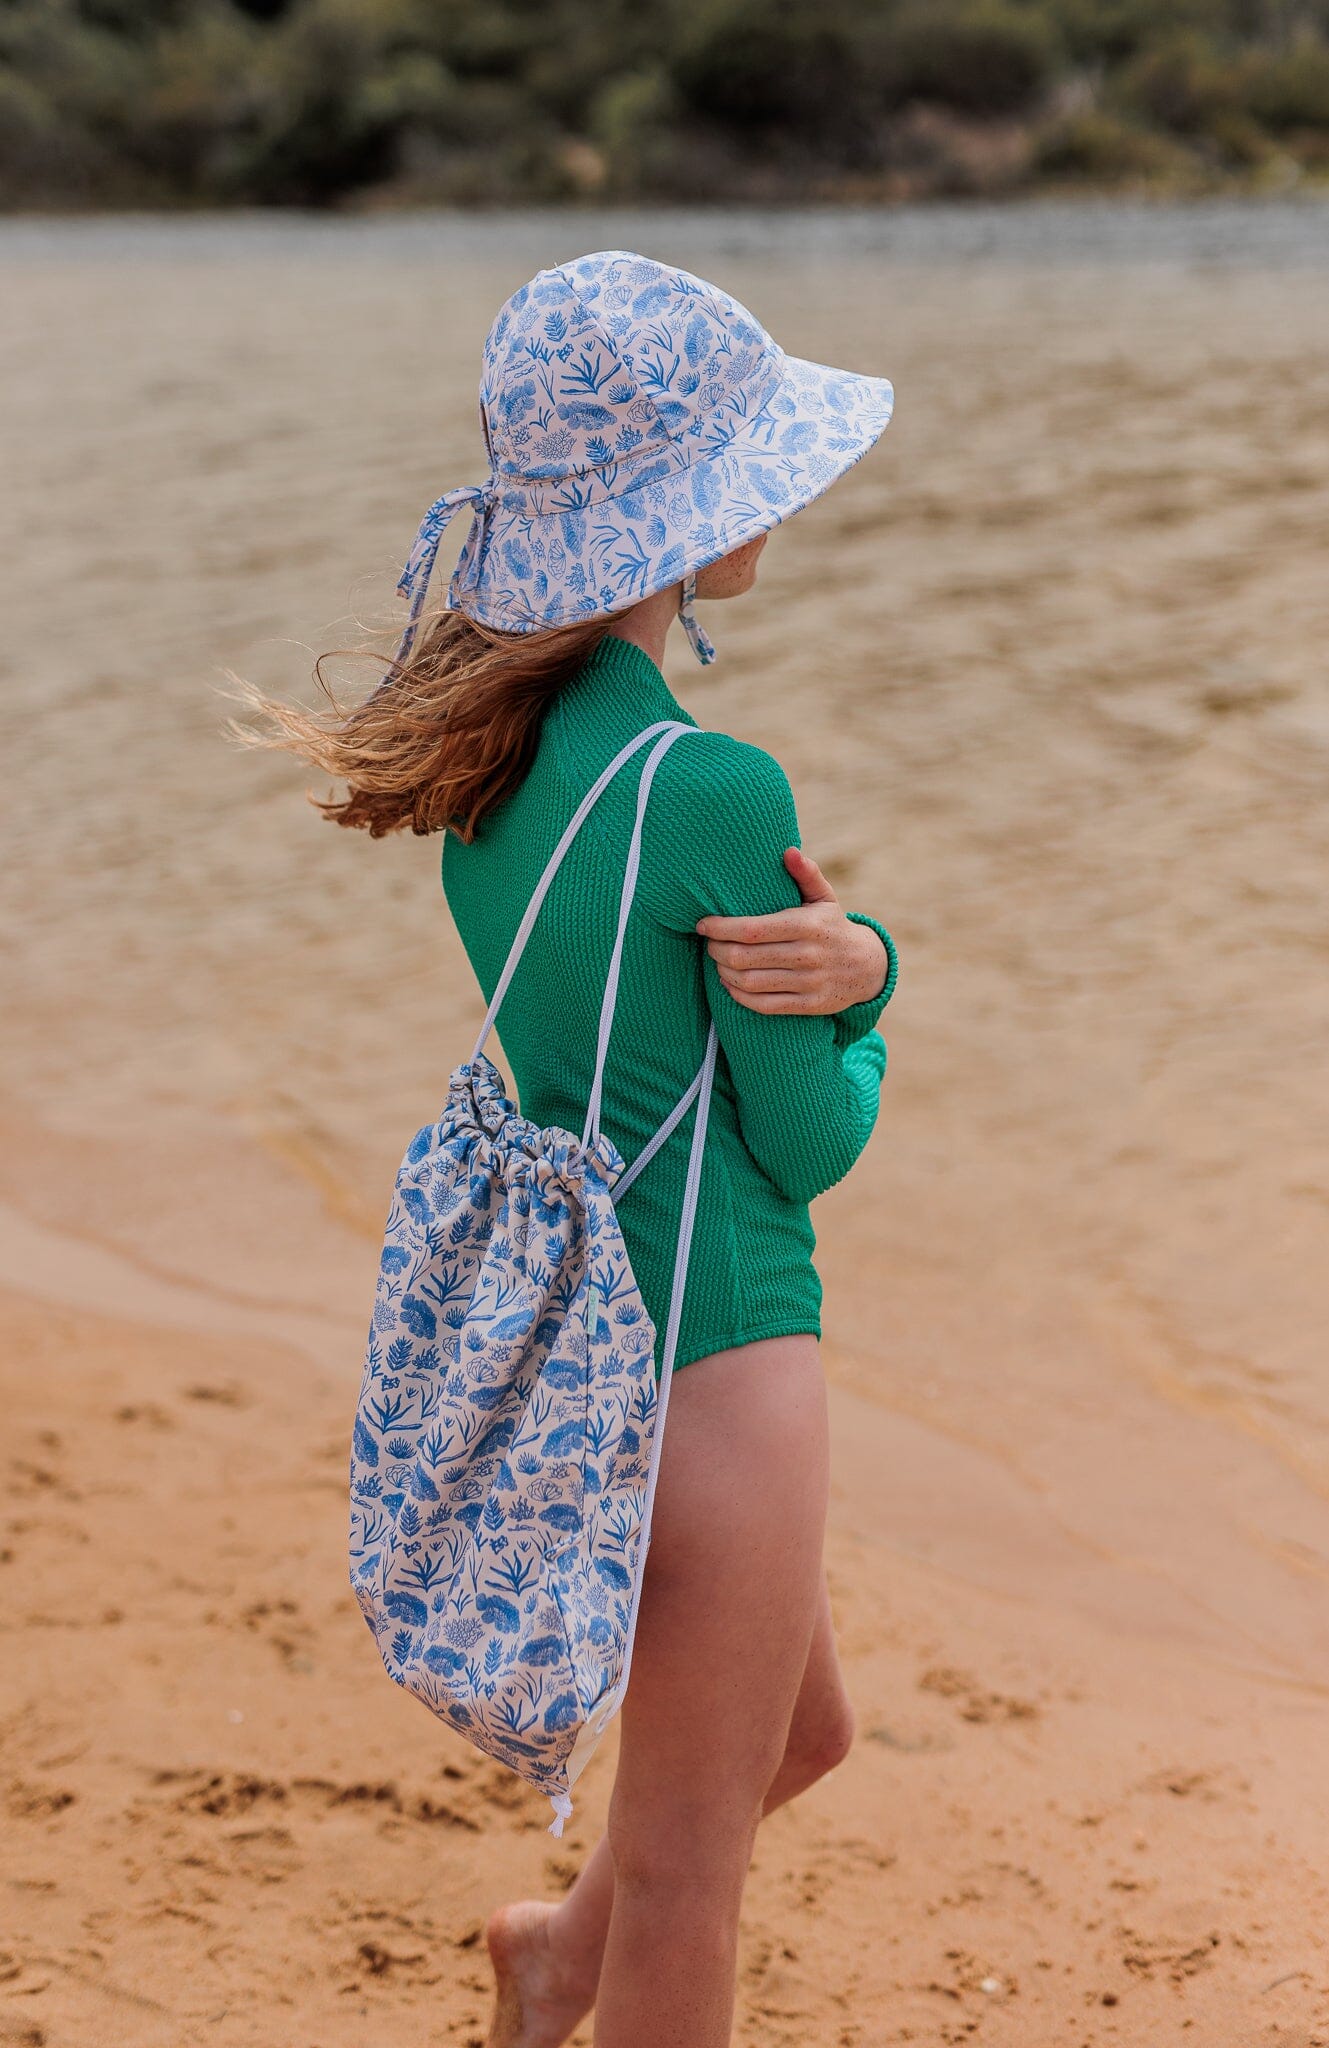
698, 639
414, 580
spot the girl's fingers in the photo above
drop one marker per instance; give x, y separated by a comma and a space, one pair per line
795, 954
773, 927
780, 1005
758, 982
813, 886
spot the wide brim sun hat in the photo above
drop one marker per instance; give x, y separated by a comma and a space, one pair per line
640, 424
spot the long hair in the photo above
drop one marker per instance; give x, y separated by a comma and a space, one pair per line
447, 735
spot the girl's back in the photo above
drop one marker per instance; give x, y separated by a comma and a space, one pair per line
795, 1096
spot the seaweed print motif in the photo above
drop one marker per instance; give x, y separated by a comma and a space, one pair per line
502, 1438
641, 423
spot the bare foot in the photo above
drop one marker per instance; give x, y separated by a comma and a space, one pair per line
538, 2004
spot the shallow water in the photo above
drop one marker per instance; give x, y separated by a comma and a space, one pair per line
1270, 234
1047, 670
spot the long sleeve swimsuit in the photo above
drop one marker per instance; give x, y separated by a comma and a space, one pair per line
795, 1098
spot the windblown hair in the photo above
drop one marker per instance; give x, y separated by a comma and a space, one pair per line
447, 735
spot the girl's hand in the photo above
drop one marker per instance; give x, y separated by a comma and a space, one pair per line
808, 962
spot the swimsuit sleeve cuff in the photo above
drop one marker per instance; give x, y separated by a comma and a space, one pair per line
855, 1022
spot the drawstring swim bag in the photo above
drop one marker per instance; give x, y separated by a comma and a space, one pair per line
507, 1438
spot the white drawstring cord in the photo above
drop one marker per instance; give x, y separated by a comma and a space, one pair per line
591, 1128
607, 1709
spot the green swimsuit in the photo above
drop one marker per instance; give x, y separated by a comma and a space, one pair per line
795, 1097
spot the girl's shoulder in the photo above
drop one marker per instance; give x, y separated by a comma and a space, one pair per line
716, 839
712, 777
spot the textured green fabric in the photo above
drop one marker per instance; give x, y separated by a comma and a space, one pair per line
795, 1097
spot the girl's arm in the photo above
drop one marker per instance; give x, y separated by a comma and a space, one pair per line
807, 1094
816, 960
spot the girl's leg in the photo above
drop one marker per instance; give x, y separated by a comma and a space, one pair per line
735, 1573
732, 1710
547, 1958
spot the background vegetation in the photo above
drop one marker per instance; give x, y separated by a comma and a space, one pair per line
330, 102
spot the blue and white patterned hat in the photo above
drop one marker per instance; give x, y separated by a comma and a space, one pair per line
640, 424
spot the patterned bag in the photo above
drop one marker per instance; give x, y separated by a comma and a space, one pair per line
508, 1434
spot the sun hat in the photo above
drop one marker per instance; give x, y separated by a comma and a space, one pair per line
640, 424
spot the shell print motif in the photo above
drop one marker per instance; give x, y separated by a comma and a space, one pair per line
501, 1443
641, 423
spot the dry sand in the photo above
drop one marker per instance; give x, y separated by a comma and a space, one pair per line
1048, 674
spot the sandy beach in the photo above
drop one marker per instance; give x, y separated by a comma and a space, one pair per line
1048, 675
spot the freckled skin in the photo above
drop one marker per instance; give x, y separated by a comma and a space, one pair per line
732, 575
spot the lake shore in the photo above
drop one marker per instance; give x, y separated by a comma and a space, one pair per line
1047, 675
1080, 1805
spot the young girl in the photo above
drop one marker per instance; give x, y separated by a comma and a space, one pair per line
644, 435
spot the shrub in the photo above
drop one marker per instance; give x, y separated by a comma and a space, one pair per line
338, 82
1290, 89
1093, 147
37, 155
982, 60
318, 101
197, 98
1108, 33
755, 66
1182, 85
631, 120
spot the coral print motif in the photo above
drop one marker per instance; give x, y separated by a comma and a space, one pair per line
641, 423
502, 1440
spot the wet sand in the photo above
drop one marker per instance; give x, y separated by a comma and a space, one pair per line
1048, 675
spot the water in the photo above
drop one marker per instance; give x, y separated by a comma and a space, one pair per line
1047, 671
1261, 234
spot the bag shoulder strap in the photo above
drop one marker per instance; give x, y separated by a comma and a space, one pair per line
664, 734
555, 862
631, 869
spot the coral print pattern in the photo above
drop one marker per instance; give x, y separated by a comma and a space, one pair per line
502, 1439
641, 424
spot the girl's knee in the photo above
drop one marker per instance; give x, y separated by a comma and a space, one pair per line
686, 1848
819, 1745
835, 1738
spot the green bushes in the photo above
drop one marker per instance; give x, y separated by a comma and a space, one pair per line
1288, 90
1181, 85
980, 60
1097, 149
833, 81
327, 102
762, 68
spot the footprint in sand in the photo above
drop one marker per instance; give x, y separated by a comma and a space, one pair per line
17, 2033
1210, 1787
36, 1802
975, 1702
229, 1795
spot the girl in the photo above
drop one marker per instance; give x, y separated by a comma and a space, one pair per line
644, 435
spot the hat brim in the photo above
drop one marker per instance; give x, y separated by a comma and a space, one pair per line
553, 568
